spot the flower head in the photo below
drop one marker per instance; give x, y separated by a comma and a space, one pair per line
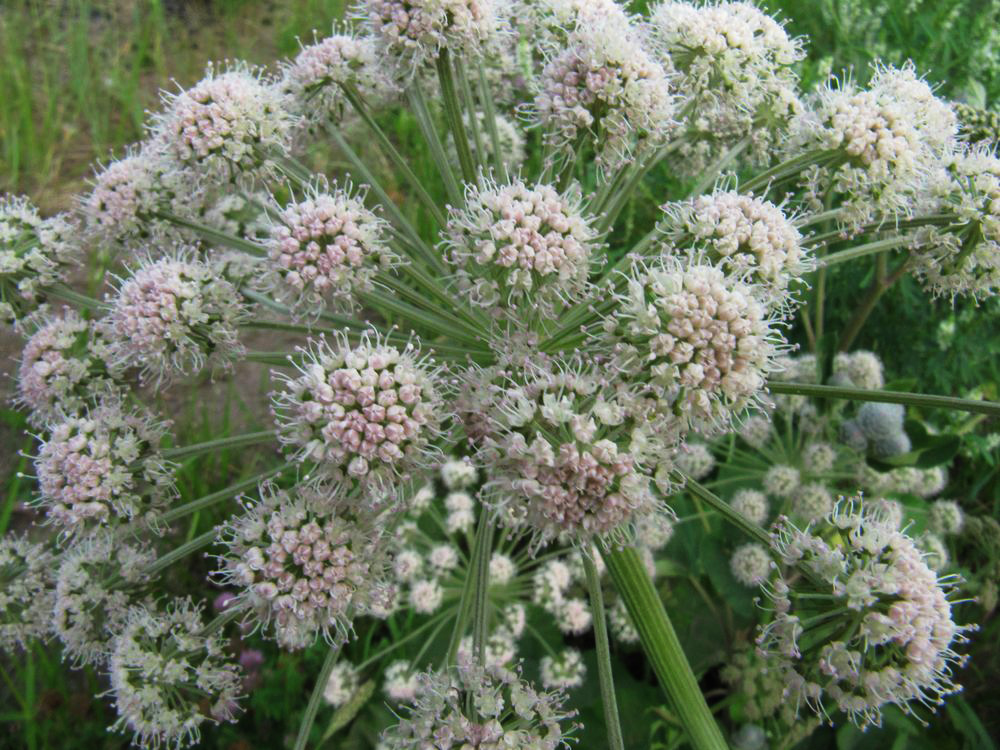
508, 712
27, 593
751, 564
103, 466
365, 413
860, 369
517, 246
341, 685
563, 671
306, 563
34, 253
946, 517
164, 670
400, 682
325, 249
752, 505
174, 316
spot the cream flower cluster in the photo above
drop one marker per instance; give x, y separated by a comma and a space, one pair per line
508, 712
325, 250
702, 339
34, 253
604, 85
164, 670
902, 652
175, 316
102, 467
27, 594
517, 246
306, 564
367, 412
64, 368
734, 65
748, 237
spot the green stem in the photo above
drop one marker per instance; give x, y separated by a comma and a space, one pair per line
879, 226
179, 553
305, 727
788, 168
214, 235
879, 286
489, 114
470, 107
870, 248
725, 510
418, 104
234, 441
63, 292
453, 113
610, 703
663, 648
990, 408
466, 602
224, 494
405, 639
482, 574
713, 172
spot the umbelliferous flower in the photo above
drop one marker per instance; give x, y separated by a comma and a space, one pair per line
751, 504
901, 650
655, 531
509, 136
502, 569
325, 250
307, 563
507, 712
175, 316
411, 33
603, 85
459, 474
27, 593
426, 596
400, 684
751, 564
812, 501
782, 480
876, 146
701, 341
566, 456
229, 123
744, 235
734, 66
95, 586
756, 431
365, 412
312, 81
860, 369
34, 253
103, 466
819, 458
64, 368
563, 671
342, 683
945, 517
518, 247
164, 669
461, 512
620, 623
695, 460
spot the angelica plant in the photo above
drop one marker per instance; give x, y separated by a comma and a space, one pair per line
497, 394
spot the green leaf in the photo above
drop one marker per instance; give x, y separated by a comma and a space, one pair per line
346, 713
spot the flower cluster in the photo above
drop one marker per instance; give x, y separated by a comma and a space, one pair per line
163, 669
101, 467
27, 594
325, 250
734, 64
366, 412
34, 253
903, 649
175, 316
878, 428
507, 712
306, 564
517, 246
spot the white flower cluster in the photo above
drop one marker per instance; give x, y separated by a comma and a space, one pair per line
748, 237
325, 250
752, 505
751, 564
518, 247
34, 253
508, 712
509, 136
946, 517
412, 33
734, 66
881, 145
604, 85
27, 594
702, 339
878, 428
400, 682
164, 670
695, 460
341, 685
64, 368
95, 584
567, 457
103, 467
230, 123
306, 564
859, 369
366, 412
312, 81
903, 649
563, 671
175, 316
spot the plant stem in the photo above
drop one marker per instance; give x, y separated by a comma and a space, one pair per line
499, 163
663, 648
453, 113
419, 105
727, 511
214, 235
610, 703
179, 553
305, 727
482, 574
234, 441
890, 243
63, 292
879, 286
224, 494
990, 408
466, 602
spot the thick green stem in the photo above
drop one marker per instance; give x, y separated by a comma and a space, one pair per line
234, 441
489, 114
214, 235
881, 246
481, 598
179, 553
453, 112
608, 699
787, 169
725, 510
663, 648
224, 494
990, 408
418, 104
305, 727
466, 603
63, 292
